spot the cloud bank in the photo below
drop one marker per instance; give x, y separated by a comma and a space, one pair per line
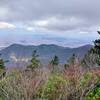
66, 22
4, 25
53, 15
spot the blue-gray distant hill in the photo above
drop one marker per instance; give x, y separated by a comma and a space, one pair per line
19, 55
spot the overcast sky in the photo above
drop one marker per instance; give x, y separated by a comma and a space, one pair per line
63, 22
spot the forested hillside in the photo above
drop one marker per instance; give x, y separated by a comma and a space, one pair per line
20, 55
78, 80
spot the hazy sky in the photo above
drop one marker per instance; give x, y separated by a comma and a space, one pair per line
63, 22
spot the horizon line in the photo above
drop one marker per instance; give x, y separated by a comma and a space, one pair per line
2, 47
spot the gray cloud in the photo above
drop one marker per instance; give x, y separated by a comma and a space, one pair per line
67, 15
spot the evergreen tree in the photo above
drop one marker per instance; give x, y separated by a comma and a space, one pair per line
97, 48
73, 60
35, 63
55, 61
66, 66
2, 63
92, 58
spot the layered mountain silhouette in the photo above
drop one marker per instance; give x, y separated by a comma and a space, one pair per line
20, 55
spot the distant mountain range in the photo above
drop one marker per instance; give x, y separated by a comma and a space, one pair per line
19, 55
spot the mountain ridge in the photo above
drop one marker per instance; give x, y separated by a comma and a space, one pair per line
16, 52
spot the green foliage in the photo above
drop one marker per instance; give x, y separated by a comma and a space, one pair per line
19, 85
94, 94
35, 63
10, 89
55, 61
2, 64
55, 88
85, 80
